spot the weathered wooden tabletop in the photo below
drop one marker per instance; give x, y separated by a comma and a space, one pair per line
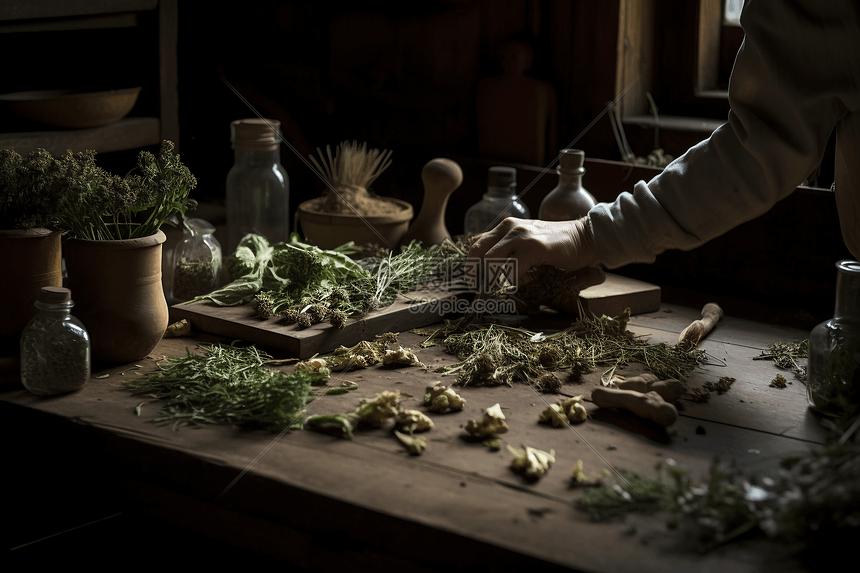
325, 502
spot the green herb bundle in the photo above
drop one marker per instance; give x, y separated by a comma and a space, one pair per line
228, 384
306, 285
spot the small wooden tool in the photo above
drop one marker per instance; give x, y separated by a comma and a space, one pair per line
441, 177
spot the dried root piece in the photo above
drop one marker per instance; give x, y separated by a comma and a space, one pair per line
415, 445
649, 405
530, 462
177, 329
441, 399
411, 421
670, 390
383, 406
490, 426
578, 477
315, 365
565, 412
401, 356
363, 354
698, 329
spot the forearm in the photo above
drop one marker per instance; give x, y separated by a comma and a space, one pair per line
787, 92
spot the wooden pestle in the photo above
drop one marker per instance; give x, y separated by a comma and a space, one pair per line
441, 177
649, 405
711, 314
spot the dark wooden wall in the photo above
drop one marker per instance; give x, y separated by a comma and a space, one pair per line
398, 75
403, 76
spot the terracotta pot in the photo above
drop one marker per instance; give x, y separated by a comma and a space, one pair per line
118, 294
329, 231
30, 260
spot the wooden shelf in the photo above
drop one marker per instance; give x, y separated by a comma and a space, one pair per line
127, 133
33, 9
160, 120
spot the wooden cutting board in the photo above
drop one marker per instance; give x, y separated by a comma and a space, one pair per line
617, 293
242, 322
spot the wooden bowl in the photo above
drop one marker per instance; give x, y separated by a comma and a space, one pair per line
71, 109
328, 231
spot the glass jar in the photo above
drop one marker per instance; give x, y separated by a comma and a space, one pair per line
55, 346
833, 372
196, 261
258, 188
500, 201
569, 200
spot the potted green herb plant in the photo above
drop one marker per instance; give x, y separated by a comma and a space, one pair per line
30, 240
113, 253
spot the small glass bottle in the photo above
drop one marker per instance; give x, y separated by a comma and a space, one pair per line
833, 372
569, 200
196, 261
258, 188
500, 201
55, 346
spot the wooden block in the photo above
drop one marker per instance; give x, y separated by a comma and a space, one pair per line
242, 322
617, 293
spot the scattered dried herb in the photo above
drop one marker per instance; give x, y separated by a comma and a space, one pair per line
227, 384
786, 354
778, 382
721, 386
497, 354
813, 500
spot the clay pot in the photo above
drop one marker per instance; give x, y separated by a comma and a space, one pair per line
328, 231
118, 294
30, 260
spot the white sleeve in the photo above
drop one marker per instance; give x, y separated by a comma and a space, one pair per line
796, 75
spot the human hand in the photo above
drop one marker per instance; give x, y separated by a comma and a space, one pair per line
532, 242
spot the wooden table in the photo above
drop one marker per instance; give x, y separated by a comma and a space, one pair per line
325, 503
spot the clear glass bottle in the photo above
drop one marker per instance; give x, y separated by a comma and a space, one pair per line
55, 346
498, 202
196, 261
258, 188
569, 200
833, 372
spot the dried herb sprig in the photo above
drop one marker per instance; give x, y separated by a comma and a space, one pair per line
228, 384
